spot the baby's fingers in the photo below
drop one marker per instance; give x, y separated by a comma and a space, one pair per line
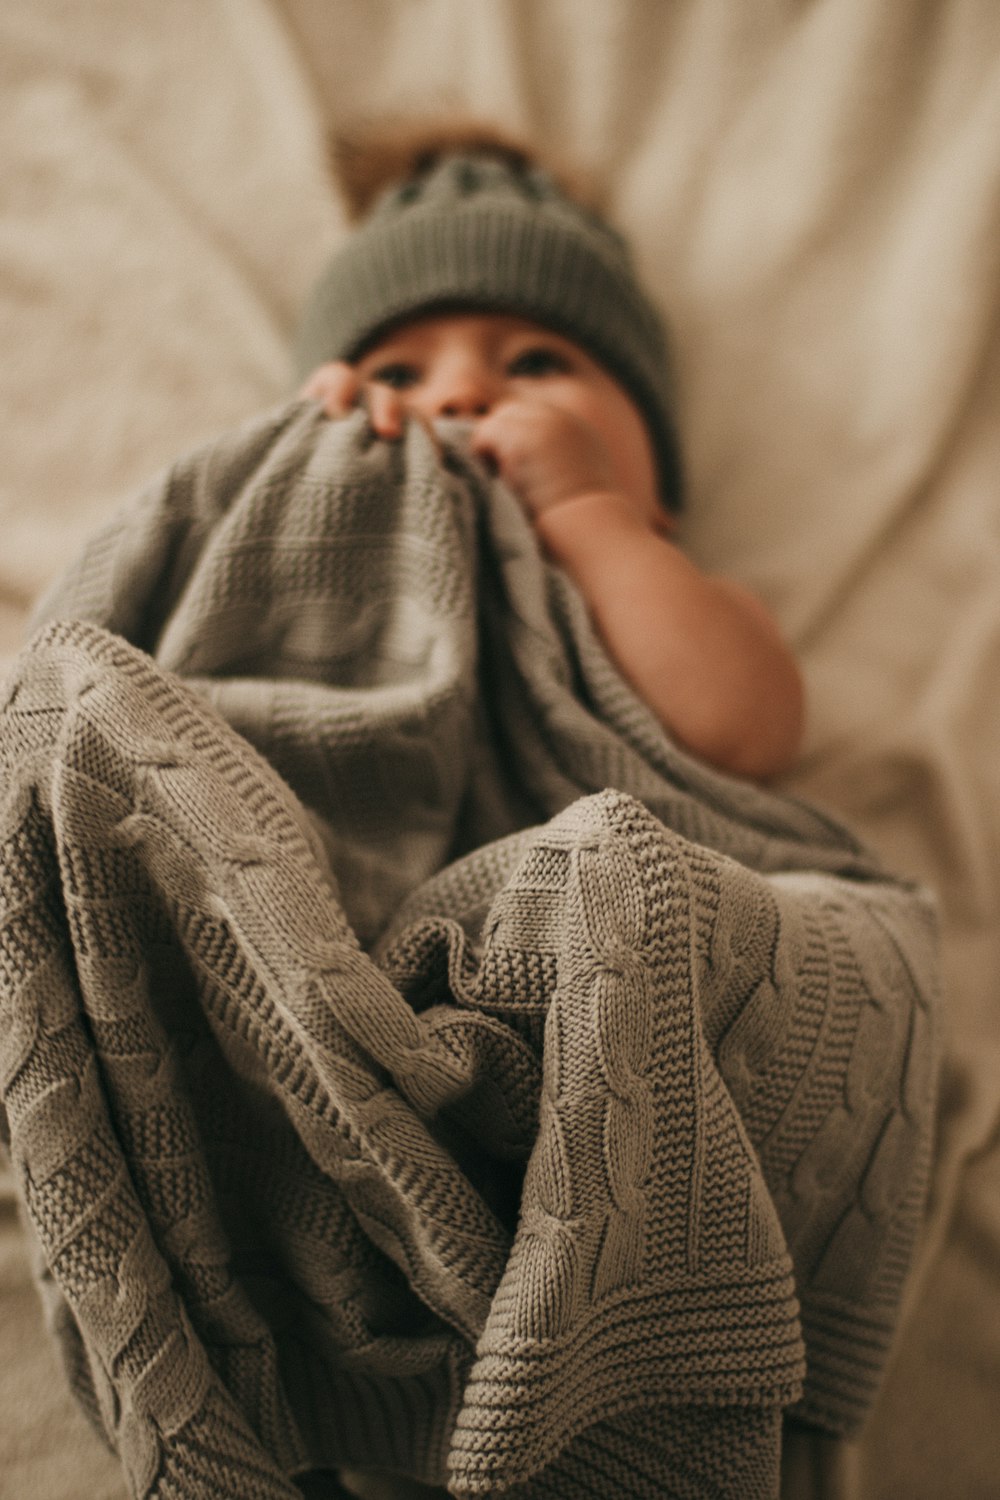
386, 412
483, 448
335, 386
338, 389
493, 438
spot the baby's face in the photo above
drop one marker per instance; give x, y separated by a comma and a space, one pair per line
466, 364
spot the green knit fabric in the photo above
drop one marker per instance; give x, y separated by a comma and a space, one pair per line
462, 1083
475, 233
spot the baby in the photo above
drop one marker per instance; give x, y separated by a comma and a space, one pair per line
478, 288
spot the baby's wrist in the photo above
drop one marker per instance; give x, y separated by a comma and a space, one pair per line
588, 519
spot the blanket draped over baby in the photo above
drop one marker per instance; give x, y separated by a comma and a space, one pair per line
411, 1060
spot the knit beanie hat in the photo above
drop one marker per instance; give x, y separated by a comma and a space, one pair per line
477, 231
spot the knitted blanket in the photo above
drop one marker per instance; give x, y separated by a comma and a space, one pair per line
412, 1061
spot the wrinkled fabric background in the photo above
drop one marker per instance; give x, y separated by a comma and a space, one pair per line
812, 190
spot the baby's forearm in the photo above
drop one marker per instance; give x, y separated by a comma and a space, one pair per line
702, 652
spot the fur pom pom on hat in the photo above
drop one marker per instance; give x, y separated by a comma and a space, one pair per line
469, 221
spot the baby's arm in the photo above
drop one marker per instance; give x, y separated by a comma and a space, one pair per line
701, 651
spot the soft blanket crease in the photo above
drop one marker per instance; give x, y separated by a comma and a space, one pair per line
411, 1060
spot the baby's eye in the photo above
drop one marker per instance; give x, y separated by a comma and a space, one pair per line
397, 374
537, 362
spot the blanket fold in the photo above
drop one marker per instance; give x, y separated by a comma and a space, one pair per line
411, 1060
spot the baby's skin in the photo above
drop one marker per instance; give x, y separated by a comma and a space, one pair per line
703, 652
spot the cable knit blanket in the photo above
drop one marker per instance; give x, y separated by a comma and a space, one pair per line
410, 1060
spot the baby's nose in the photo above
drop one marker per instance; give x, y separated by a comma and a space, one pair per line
467, 392
464, 406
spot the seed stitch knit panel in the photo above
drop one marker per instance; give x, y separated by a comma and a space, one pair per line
384, 1091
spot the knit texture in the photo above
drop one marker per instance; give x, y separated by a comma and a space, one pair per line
393, 1094
480, 234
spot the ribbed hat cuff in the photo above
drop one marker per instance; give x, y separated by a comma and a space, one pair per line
503, 260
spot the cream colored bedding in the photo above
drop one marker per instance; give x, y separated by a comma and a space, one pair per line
814, 193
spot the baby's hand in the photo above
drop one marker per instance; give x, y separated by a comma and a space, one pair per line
544, 453
334, 385
339, 389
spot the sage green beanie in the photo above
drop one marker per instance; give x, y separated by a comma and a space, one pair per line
477, 233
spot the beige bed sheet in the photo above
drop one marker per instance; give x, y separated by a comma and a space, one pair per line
814, 193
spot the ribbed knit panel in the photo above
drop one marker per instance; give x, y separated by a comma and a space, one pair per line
533, 1192
683, 1455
